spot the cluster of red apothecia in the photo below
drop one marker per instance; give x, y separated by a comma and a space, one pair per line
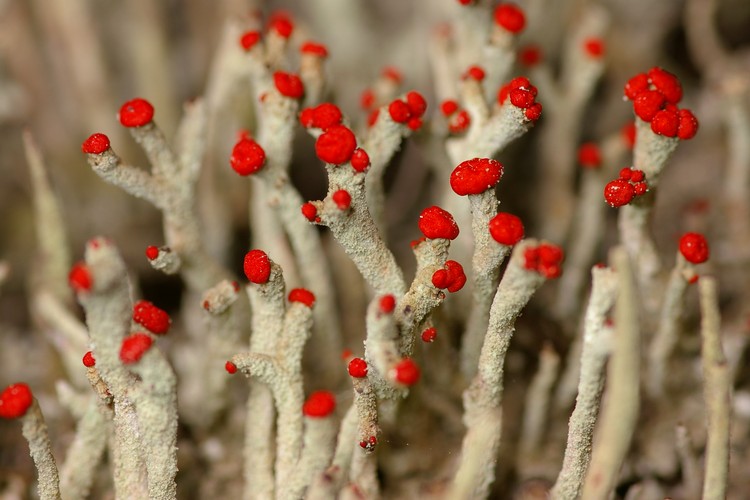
655, 95
522, 94
630, 184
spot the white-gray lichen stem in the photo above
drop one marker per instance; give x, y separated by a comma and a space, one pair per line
35, 432
258, 451
650, 154
587, 229
580, 72
171, 188
537, 402
689, 463
281, 371
108, 314
85, 452
594, 353
366, 405
53, 259
357, 233
276, 134
422, 297
155, 399
382, 350
317, 451
485, 268
668, 332
203, 396
620, 413
267, 303
482, 400
717, 388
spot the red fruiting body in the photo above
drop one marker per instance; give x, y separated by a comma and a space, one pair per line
79, 278
636, 85
303, 296
530, 55
694, 247
688, 125
360, 160
406, 372
693, 279
506, 229
434, 222
136, 113
134, 346
320, 404
306, 117
475, 73
628, 134
665, 122
465, 2
346, 354
372, 118
510, 17
247, 157
399, 111
357, 368
387, 303
96, 144
230, 367
451, 277
151, 317
310, 212
550, 258
666, 83
640, 188
618, 192
414, 123
152, 252
281, 24
393, 74
249, 39
315, 49
15, 400
475, 176
521, 82
589, 155
594, 47
336, 145
522, 98
648, 103
88, 360
544, 259
429, 335
322, 116
367, 99
459, 122
257, 266
440, 279
626, 173
448, 107
342, 199
370, 443
502, 94
636, 175
456, 276
533, 112
288, 84
416, 102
